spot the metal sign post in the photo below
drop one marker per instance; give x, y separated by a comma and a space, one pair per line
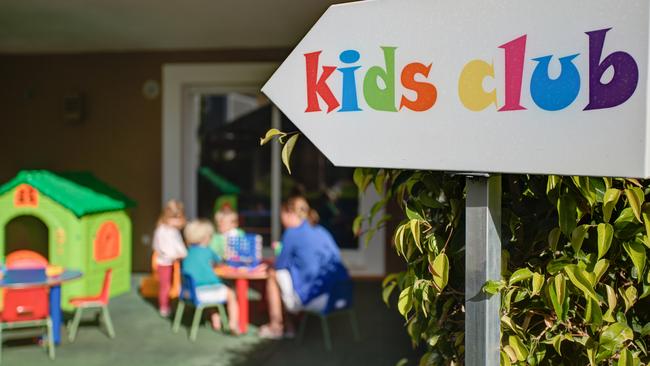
482, 263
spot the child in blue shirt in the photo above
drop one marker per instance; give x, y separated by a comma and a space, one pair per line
199, 265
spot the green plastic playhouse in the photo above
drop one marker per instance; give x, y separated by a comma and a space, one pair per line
87, 226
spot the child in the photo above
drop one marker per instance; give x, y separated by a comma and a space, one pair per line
168, 246
199, 265
227, 222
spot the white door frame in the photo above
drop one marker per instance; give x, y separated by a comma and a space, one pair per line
183, 84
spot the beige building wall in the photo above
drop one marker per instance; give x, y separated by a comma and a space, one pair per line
120, 138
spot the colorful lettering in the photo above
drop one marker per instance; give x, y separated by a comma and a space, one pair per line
318, 86
426, 93
381, 98
470, 86
626, 74
349, 101
420, 94
554, 95
515, 54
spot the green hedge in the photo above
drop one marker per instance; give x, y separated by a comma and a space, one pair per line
575, 278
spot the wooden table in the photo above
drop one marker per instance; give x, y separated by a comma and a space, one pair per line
54, 283
241, 276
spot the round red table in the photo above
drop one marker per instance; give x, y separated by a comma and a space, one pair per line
241, 276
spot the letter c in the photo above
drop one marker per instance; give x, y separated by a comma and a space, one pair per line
470, 86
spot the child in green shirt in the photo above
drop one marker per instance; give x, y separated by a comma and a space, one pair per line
227, 222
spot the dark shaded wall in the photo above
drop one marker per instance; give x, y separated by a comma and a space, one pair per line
120, 138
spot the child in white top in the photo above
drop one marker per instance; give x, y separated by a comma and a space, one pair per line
169, 247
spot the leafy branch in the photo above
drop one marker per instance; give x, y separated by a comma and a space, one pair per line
287, 139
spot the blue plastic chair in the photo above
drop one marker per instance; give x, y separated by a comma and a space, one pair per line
188, 295
340, 302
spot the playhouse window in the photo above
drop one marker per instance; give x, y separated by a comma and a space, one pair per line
26, 195
107, 242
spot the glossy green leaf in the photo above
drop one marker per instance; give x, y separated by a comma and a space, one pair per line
611, 304
521, 274
584, 186
557, 265
270, 134
493, 287
608, 182
578, 278
611, 297
637, 253
629, 296
510, 352
598, 187
553, 238
578, 236
612, 339
392, 277
552, 182
288, 149
505, 359
593, 313
538, 283
566, 208
415, 231
557, 343
591, 354
626, 358
412, 214
511, 325
387, 290
405, 301
605, 235
399, 240
518, 346
635, 198
645, 214
441, 271
609, 202
599, 270
626, 226
356, 225
379, 181
557, 294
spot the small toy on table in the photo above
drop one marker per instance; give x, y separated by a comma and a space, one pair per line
243, 251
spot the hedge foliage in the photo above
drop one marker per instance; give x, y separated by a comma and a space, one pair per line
575, 274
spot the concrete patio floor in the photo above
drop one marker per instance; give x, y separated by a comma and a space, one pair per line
145, 339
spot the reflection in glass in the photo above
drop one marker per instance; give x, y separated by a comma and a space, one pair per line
233, 164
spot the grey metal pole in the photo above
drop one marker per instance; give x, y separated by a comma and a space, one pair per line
482, 263
276, 177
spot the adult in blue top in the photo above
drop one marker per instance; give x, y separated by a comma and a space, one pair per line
308, 271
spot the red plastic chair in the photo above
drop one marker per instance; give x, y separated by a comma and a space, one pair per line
99, 302
25, 259
27, 308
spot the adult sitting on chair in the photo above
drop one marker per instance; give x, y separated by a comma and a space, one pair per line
307, 269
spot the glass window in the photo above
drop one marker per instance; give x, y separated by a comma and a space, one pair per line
236, 170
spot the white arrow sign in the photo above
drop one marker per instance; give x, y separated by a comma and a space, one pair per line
504, 86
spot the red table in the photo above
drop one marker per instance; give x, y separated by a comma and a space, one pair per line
241, 276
